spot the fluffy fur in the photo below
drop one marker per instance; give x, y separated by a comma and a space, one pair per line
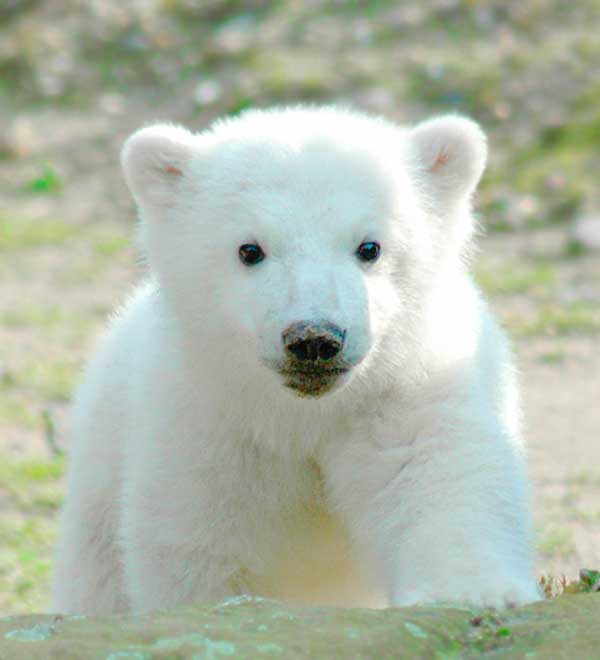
195, 474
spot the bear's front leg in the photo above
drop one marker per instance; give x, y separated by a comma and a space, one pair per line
442, 516
186, 528
174, 555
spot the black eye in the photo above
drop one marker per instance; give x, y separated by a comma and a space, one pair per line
368, 251
251, 254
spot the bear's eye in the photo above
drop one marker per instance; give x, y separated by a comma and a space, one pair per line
368, 251
251, 254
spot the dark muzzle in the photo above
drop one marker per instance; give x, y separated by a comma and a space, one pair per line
313, 342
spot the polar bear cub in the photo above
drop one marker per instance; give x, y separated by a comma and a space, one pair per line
309, 399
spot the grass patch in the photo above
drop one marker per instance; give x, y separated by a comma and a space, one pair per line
46, 182
26, 471
584, 516
29, 314
52, 380
553, 357
465, 84
33, 490
557, 320
25, 563
574, 249
108, 246
61, 324
584, 479
512, 279
19, 234
15, 411
566, 147
33, 484
556, 541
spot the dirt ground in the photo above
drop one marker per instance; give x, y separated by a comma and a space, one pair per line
560, 378
66, 259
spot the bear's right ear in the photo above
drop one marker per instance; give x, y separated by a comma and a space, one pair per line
155, 160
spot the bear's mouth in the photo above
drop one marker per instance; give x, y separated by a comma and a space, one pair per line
314, 373
312, 381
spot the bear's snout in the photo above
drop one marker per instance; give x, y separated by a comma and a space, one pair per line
309, 342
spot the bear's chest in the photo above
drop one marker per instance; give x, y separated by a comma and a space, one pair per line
313, 561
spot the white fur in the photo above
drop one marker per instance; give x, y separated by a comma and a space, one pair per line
195, 474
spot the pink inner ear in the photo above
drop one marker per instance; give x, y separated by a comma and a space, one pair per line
170, 169
440, 161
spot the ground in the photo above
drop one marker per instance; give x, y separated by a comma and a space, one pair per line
73, 84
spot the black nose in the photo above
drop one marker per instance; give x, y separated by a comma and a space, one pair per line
309, 342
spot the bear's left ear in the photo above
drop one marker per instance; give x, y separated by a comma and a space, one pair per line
154, 161
451, 152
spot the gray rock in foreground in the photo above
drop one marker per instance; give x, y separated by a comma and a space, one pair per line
244, 627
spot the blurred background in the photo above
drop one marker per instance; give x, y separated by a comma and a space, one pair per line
76, 77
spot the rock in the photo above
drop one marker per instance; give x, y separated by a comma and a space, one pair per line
247, 627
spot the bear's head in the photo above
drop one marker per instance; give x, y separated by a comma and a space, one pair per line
292, 242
